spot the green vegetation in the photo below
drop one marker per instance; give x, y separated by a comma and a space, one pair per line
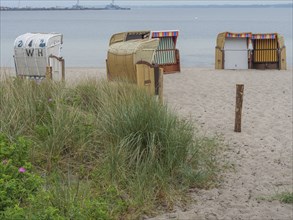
97, 150
285, 197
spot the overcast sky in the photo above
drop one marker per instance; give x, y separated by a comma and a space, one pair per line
48, 3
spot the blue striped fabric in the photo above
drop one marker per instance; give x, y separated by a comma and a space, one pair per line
165, 53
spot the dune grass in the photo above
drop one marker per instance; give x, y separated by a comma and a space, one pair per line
104, 150
285, 197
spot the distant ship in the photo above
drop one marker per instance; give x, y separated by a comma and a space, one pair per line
112, 6
75, 7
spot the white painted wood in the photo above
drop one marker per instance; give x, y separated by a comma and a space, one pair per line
235, 53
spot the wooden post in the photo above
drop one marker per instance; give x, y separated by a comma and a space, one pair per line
48, 72
159, 72
161, 85
238, 108
157, 78
63, 69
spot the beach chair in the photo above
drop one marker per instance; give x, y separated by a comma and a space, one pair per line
132, 61
166, 55
37, 56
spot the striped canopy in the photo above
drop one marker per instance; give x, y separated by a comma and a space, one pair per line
264, 36
156, 34
238, 35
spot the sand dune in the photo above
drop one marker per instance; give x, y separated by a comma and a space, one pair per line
261, 154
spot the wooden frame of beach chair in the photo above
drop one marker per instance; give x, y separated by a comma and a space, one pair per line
132, 61
150, 77
122, 57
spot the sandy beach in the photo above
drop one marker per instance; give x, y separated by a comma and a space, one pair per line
260, 157
261, 154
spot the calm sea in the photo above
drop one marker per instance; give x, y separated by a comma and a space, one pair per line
87, 33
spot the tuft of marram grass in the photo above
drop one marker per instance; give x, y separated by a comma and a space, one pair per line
111, 134
285, 197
